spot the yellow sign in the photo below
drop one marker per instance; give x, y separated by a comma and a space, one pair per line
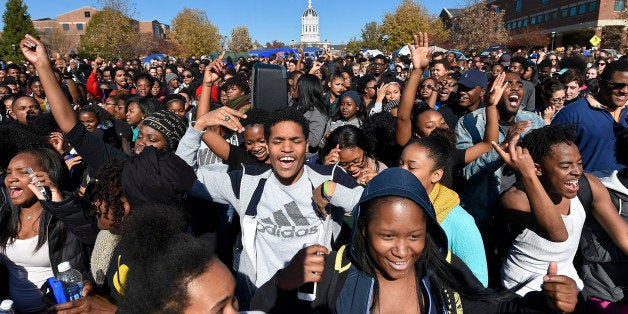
595, 40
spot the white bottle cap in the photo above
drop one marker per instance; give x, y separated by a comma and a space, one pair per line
64, 266
6, 305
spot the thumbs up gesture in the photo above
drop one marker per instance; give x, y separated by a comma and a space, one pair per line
561, 292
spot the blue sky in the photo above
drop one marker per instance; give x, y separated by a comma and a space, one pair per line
339, 21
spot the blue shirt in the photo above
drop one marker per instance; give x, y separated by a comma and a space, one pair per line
595, 133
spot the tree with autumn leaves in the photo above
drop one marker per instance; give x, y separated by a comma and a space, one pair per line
398, 28
479, 26
193, 33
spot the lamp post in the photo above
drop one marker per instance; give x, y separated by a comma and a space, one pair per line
553, 37
14, 52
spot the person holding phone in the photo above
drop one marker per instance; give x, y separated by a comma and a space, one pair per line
41, 230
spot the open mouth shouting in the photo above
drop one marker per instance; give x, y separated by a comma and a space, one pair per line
15, 192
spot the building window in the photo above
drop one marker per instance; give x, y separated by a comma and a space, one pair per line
620, 5
544, 1
519, 23
66, 27
592, 6
582, 9
79, 26
564, 13
539, 19
554, 15
518, 5
572, 11
532, 20
547, 17
525, 23
87, 13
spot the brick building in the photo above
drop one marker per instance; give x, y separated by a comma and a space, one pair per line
65, 31
569, 22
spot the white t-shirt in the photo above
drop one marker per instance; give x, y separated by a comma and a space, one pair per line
28, 270
286, 220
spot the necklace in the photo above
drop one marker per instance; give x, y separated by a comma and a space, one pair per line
28, 217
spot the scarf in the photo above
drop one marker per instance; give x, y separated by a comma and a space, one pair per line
106, 242
238, 102
444, 200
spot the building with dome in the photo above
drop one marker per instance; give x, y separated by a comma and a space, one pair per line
309, 26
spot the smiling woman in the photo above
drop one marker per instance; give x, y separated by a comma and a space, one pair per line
397, 258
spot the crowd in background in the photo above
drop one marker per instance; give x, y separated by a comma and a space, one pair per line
420, 183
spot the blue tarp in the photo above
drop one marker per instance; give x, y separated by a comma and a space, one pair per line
282, 51
157, 56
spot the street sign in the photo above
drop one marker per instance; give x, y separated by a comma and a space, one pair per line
595, 40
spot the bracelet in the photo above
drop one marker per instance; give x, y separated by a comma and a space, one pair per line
326, 191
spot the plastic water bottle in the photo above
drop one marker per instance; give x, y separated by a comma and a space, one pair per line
72, 281
6, 307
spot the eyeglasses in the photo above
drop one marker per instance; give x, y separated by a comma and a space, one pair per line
616, 85
557, 100
601, 63
553, 59
354, 163
430, 86
188, 76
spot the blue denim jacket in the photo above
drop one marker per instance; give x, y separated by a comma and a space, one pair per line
483, 175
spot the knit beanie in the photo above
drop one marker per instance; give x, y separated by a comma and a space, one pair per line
354, 95
169, 77
170, 125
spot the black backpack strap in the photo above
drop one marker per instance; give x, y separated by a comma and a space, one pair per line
251, 209
585, 194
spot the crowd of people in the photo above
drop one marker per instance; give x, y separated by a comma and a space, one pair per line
421, 183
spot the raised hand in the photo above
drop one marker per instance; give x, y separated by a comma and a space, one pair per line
333, 157
223, 116
34, 51
213, 70
420, 53
516, 157
497, 90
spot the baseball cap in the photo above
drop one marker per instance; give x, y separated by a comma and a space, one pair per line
473, 78
505, 60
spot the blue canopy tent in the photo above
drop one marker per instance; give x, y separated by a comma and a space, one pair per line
284, 51
154, 56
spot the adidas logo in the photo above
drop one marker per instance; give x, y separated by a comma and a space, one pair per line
288, 223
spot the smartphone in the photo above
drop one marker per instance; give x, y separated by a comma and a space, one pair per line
307, 291
41, 189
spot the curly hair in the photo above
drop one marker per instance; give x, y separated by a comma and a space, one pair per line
15, 138
380, 129
287, 114
102, 114
107, 189
539, 142
162, 260
255, 116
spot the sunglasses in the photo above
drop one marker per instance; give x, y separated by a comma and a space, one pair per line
553, 59
616, 85
426, 86
601, 63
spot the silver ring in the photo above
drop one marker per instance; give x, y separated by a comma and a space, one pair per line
227, 118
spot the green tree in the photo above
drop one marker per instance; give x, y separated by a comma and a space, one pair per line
194, 33
240, 39
111, 33
372, 36
17, 23
479, 26
409, 18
